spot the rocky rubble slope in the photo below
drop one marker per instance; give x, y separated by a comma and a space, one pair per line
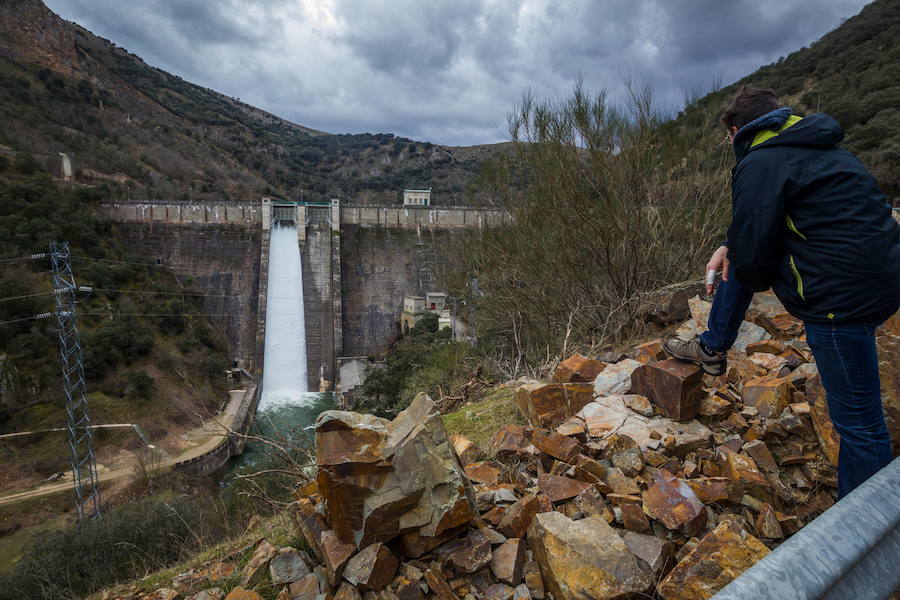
638, 477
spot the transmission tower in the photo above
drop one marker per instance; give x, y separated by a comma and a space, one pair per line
84, 468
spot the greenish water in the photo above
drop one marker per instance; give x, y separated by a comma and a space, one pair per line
289, 422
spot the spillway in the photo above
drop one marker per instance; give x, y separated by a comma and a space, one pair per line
284, 370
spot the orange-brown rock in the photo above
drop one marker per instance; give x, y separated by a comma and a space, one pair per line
673, 386
578, 369
287, 567
620, 483
347, 592
769, 395
549, 404
508, 561
255, 568
467, 451
741, 468
767, 525
672, 502
888, 359
589, 470
518, 517
649, 352
759, 452
633, 518
311, 524
414, 544
765, 346
439, 585
471, 557
559, 488
509, 441
584, 559
713, 405
556, 445
381, 478
533, 579
484, 472
372, 569
721, 556
592, 504
769, 362
306, 588
205, 576
336, 554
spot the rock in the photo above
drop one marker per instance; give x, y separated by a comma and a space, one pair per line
639, 404
591, 504
521, 592
559, 488
347, 592
741, 468
589, 470
381, 478
240, 593
372, 569
584, 559
669, 304
769, 362
438, 585
499, 591
721, 556
649, 352
533, 579
471, 557
466, 451
209, 594
484, 472
287, 567
336, 554
761, 455
765, 346
414, 544
748, 333
508, 561
654, 555
306, 588
634, 519
615, 379
769, 395
204, 576
619, 483
610, 414
256, 566
578, 369
549, 404
767, 525
673, 502
518, 517
163, 594
625, 455
573, 427
311, 524
556, 445
509, 441
672, 385
829, 441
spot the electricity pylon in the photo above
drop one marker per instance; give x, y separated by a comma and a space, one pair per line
84, 467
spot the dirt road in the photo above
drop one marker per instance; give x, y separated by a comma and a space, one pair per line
208, 436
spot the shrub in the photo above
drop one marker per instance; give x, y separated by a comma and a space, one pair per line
140, 386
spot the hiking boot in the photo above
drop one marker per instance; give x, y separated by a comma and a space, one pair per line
694, 351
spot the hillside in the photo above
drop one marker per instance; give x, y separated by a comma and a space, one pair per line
851, 73
150, 134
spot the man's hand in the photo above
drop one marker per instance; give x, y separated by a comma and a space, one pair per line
719, 260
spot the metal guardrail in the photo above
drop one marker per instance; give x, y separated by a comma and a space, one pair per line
850, 552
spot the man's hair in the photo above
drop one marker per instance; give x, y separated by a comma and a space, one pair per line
748, 104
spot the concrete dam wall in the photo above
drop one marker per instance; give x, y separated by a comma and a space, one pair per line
357, 263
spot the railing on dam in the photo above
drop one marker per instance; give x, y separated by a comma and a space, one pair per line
252, 213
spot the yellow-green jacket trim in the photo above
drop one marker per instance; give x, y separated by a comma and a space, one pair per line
768, 134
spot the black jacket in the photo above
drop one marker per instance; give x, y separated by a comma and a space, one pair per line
810, 222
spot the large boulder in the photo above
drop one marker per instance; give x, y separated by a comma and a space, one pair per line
584, 559
549, 404
381, 478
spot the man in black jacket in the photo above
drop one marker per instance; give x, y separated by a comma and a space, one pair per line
809, 221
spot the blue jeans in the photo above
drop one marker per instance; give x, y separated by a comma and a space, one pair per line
847, 359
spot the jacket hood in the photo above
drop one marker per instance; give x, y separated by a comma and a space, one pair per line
815, 130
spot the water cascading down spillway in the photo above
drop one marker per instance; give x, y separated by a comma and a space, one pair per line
284, 367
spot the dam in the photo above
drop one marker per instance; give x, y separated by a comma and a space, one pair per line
356, 262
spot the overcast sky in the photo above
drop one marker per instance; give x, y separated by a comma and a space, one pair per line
448, 71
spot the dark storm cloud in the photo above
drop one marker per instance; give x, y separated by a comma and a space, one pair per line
448, 71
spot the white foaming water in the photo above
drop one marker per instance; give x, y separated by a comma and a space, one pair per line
284, 369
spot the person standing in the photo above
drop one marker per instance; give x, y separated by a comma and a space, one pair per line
809, 221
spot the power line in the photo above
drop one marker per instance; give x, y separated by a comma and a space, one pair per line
10, 298
18, 258
96, 289
40, 316
114, 314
